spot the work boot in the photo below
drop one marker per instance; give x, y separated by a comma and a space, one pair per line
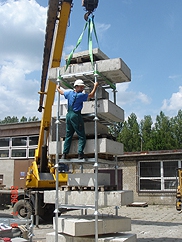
80, 156
63, 156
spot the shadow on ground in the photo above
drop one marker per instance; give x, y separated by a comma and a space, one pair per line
164, 239
155, 223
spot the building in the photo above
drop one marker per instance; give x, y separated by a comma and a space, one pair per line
151, 175
18, 142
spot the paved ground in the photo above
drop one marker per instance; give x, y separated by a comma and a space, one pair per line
151, 224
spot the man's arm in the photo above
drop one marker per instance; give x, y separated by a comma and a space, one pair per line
61, 91
92, 93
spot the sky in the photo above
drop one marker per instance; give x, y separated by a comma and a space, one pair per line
145, 34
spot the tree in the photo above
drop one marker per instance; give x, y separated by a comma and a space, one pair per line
163, 136
23, 119
130, 135
9, 120
34, 118
146, 133
176, 123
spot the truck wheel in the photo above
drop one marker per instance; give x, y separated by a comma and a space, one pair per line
22, 210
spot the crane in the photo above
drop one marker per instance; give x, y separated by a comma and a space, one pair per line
41, 173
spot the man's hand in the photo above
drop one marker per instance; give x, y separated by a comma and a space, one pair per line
61, 91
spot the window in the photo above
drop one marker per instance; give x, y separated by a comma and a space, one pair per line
19, 141
18, 153
4, 153
18, 147
151, 169
33, 140
158, 175
4, 142
31, 153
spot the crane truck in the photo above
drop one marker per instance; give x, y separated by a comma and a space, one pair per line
179, 189
41, 174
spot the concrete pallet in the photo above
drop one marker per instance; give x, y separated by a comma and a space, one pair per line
106, 110
18, 240
88, 179
80, 57
105, 199
84, 225
105, 146
116, 237
114, 70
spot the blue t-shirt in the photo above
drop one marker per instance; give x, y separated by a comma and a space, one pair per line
75, 99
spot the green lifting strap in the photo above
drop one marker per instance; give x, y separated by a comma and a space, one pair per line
91, 27
65, 83
78, 43
106, 80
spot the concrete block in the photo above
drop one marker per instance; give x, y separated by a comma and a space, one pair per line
89, 129
113, 70
105, 146
85, 225
116, 237
18, 240
84, 55
52, 148
101, 93
88, 179
105, 110
84, 198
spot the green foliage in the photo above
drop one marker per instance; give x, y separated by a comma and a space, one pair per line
164, 134
146, 133
130, 135
10, 120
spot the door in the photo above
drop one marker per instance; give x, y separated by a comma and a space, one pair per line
20, 172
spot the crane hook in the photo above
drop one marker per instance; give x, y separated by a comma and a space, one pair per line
86, 15
90, 6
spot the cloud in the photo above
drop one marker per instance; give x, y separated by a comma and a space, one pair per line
174, 103
175, 77
22, 25
126, 97
143, 98
101, 29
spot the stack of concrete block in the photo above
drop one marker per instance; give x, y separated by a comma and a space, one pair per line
82, 228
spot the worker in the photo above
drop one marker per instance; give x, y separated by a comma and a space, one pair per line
74, 120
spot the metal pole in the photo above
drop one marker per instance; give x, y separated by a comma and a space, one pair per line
116, 172
116, 181
36, 209
56, 166
114, 91
96, 165
31, 230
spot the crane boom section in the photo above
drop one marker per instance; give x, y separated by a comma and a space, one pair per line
59, 38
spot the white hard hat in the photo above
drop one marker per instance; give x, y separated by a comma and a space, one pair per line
79, 82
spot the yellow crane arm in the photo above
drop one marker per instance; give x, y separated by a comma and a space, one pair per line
55, 40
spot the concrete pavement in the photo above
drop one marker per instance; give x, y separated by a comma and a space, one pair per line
155, 223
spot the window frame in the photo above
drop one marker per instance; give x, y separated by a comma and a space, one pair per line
162, 178
11, 148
